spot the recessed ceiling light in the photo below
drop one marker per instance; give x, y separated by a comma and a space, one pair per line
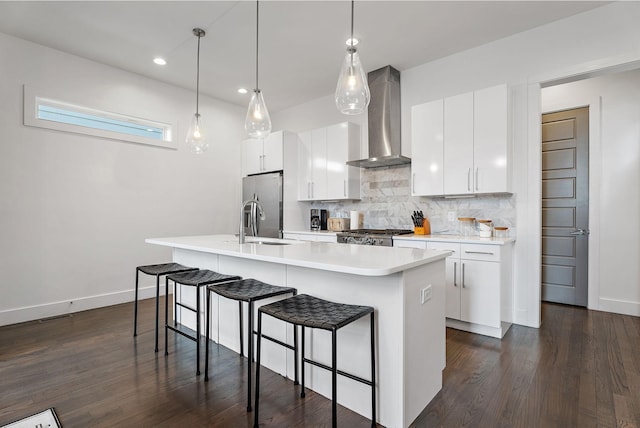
242, 91
160, 61
355, 42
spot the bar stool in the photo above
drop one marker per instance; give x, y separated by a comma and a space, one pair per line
250, 291
157, 271
198, 278
307, 311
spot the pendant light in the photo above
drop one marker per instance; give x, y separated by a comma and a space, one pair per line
196, 135
258, 123
352, 93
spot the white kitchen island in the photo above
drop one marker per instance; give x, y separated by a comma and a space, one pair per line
410, 322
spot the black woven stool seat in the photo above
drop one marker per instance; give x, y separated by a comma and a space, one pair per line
313, 312
201, 277
164, 268
248, 290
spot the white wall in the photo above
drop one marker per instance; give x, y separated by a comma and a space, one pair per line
603, 37
75, 210
614, 283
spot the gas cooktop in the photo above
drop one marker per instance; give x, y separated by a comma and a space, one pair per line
383, 232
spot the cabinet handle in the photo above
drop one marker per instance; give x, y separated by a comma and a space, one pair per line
413, 183
469, 179
309, 189
463, 276
312, 188
455, 274
261, 164
477, 187
344, 187
479, 252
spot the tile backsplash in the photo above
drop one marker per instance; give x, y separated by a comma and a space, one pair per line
386, 202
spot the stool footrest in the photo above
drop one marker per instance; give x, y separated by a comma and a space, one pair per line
182, 333
182, 305
340, 372
286, 345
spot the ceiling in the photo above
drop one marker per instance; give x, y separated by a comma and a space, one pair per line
302, 43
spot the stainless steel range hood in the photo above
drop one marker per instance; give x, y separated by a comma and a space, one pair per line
384, 120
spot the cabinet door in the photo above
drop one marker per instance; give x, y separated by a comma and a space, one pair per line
490, 140
427, 149
319, 164
480, 293
458, 144
304, 166
252, 156
337, 156
452, 288
272, 152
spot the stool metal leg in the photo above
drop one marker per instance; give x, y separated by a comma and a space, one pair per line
207, 328
175, 305
302, 394
250, 355
373, 372
158, 307
295, 354
135, 307
334, 379
241, 328
197, 330
166, 313
255, 408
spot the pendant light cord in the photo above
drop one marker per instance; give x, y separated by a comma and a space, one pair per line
351, 47
198, 76
257, 39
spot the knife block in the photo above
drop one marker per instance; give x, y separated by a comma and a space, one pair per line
424, 230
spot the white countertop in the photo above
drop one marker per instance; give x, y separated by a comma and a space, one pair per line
354, 259
455, 238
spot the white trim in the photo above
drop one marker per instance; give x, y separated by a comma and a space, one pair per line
53, 309
534, 203
620, 306
595, 166
33, 97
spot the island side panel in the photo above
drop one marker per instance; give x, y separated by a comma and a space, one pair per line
385, 294
425, 334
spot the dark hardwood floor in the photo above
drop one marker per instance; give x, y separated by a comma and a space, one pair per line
581, 369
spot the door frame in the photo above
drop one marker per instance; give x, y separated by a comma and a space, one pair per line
531, 259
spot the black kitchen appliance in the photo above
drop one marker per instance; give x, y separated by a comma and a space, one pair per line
324, 219
378, 237
314, 221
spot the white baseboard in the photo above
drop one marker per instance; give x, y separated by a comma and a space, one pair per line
478, 328
624, 307
54, 309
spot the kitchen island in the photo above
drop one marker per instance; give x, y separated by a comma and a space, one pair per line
404, 285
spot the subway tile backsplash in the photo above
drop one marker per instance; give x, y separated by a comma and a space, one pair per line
387, 203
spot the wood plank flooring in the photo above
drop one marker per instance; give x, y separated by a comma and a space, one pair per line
580, 369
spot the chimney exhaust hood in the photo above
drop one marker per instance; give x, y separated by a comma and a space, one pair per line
384, 120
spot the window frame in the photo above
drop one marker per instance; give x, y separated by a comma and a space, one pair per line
34, 98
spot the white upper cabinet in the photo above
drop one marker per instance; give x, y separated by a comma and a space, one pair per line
490, 140
263, 155
322, 170
458, 144
427, 154
473, 154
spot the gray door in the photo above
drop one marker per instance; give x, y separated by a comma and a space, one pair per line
565, 206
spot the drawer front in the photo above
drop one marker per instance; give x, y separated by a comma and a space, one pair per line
409, 243
489, 253
447, 246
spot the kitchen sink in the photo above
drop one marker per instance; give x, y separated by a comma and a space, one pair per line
268, 243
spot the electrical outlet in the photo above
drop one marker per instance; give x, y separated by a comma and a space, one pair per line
452, 216
425, 294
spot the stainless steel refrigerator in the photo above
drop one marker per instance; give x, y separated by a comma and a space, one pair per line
267, 189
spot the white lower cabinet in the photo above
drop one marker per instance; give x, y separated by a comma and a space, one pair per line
478, 285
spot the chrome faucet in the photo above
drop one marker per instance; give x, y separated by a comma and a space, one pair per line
257, 204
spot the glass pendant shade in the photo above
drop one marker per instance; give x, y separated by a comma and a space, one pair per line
352, 93
258, 122
196, 136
